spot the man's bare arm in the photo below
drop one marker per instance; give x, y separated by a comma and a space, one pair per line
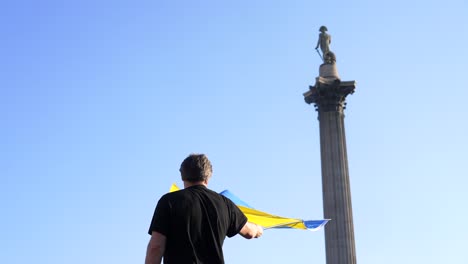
156, 248
251, 230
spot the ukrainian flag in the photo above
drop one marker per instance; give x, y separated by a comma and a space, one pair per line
267, 220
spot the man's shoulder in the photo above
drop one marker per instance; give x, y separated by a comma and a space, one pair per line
172, 195
217, 195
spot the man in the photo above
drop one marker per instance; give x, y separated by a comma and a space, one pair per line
190, 225
323, 42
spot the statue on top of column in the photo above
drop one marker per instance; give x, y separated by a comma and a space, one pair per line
323, 42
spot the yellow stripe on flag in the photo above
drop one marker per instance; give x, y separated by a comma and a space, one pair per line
174, 188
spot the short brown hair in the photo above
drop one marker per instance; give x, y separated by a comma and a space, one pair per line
195, 168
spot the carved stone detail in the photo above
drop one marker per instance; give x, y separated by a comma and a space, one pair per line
329, 94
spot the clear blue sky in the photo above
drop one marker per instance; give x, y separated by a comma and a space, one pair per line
101, 100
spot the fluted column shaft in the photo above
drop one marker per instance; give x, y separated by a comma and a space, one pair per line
339, 232
329, 100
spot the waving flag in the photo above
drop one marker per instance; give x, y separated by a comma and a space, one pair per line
267, 220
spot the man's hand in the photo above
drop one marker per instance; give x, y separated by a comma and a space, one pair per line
251, 230
259, 231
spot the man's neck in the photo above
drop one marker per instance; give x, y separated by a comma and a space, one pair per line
190, 184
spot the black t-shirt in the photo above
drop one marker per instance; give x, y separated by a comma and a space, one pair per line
196, 221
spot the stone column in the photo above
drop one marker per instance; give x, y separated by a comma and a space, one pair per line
328, 95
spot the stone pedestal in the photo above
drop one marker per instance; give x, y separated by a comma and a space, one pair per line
328, 95
328, 71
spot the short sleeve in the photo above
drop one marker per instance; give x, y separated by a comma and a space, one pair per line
161, 217
237, 219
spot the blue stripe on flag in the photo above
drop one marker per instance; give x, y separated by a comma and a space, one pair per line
234, 198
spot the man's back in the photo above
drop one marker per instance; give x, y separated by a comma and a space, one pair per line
196, 221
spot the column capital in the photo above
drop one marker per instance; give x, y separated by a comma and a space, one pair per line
329, 94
